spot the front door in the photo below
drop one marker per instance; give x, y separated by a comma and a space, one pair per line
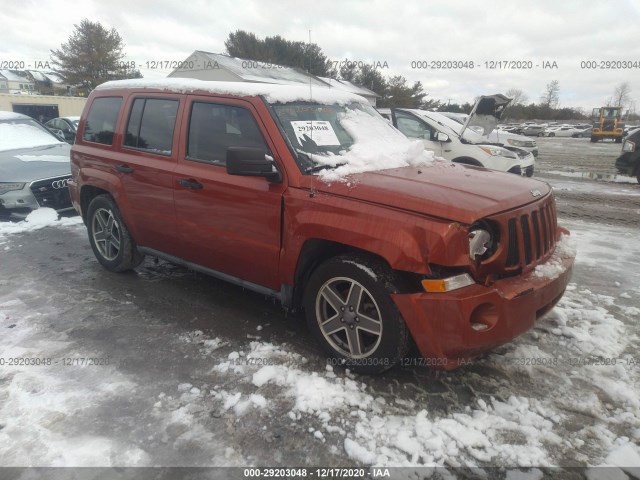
414, 127
228, 223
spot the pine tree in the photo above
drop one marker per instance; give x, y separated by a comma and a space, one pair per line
91, 56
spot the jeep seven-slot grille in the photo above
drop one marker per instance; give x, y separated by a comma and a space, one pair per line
52, 193
531, 235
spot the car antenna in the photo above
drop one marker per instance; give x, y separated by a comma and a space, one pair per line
312, 191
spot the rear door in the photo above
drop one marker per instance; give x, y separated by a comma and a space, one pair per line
146, 159
228, 223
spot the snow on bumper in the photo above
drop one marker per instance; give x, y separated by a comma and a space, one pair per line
452, 328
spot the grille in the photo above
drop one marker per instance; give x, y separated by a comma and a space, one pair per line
49, 196
531, 235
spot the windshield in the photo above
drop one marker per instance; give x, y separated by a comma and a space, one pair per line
24, 133
336, 140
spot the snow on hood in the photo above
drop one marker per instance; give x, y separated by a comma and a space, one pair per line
272, 93
376, 146
43, 158
28, 164
22, 135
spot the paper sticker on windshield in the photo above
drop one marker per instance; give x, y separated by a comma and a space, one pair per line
320, 131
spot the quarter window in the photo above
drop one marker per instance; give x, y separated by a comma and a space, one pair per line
151, 125
213, 128
101, 121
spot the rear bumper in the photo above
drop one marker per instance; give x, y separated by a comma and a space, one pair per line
442, 324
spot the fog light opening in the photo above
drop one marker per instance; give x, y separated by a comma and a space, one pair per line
484, 317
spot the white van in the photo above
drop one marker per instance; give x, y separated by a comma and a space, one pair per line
452, 141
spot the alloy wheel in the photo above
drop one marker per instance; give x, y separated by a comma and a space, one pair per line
349, 317
106, 234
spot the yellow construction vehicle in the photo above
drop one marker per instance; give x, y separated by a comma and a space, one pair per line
607, 123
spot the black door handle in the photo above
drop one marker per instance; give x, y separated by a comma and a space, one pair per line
124, 168
190, 183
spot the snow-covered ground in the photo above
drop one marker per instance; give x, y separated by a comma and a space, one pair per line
566, 393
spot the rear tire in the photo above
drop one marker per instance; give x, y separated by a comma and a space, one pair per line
594, 139
349, 311
109, 237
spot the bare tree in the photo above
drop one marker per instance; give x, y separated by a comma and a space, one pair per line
621, 95
551, 96
518, 96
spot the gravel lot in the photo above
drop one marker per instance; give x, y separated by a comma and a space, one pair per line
202, 373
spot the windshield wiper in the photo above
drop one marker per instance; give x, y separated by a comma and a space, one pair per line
318, 166
321, 166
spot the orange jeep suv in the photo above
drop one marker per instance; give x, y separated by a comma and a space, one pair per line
311, 197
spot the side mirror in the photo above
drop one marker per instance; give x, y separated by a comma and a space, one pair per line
252, 162
442, 137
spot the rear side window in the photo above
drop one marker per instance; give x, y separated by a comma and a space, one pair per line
151, 125
213, 128
101, 122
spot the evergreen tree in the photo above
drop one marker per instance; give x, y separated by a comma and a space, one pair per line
91, 56
400, 94
278, 50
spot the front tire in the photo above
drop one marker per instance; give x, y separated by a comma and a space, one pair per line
349, 311
109, 237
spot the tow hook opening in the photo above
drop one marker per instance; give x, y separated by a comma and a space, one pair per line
484, 317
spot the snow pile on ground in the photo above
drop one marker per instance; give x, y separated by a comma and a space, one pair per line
378, 146
36, 399
37, 219
337, 405
616, 178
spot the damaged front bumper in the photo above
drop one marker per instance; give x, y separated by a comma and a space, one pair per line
452, 328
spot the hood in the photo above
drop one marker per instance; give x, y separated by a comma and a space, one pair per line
485, 114
29, 164
442, 189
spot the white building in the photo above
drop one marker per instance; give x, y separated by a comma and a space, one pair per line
17, 81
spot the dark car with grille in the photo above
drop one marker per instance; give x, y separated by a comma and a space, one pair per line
34, 167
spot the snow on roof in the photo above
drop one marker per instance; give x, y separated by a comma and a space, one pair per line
14, 76
37, 76
272, 93
53, 77
348, 87
257, 71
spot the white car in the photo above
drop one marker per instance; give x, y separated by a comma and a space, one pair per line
501, 135
563, 131
462, 143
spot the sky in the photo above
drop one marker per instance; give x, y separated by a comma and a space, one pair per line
509, 42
